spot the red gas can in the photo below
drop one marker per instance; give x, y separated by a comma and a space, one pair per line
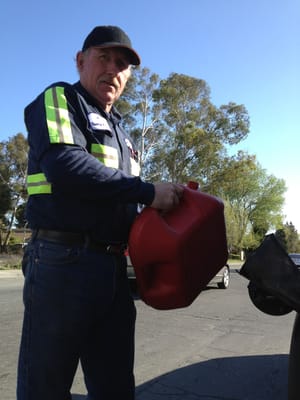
176, 255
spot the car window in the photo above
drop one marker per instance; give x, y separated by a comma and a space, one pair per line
295, 257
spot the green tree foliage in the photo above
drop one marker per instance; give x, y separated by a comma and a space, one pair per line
181, 136
20, 219
5, 200
13, 155
254, 198
288, 237
192, 132
233, 214
292, 238
5, 192
140, 114
180, 133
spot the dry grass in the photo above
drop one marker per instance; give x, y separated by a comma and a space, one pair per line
10, 261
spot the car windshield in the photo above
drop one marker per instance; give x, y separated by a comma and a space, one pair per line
295, 257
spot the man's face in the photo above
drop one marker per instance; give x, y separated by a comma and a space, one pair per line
103, 73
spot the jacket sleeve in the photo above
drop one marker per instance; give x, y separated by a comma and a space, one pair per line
74, 171
58, 146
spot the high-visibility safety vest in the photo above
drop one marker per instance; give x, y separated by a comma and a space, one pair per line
82, 167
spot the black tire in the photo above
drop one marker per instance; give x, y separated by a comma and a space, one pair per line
266, 302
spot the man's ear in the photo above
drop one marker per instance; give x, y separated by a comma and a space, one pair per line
79, 60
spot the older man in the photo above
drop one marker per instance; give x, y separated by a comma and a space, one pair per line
83, 190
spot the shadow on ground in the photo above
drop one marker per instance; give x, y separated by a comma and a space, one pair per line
233, 378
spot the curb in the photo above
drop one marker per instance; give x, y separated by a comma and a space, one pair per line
11, 273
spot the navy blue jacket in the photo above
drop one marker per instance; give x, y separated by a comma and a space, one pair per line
80, 166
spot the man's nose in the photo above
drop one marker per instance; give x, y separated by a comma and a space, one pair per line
111, 67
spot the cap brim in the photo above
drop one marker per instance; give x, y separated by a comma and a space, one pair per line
134, 58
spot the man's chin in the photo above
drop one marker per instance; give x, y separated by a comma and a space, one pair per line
106, 101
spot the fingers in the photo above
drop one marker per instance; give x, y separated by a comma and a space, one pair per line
176, 194
167, 196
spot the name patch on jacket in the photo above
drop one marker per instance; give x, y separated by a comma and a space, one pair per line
98, 123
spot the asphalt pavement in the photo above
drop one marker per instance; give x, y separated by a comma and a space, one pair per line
219, 348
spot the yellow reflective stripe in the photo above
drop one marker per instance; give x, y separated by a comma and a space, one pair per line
57, 115
135, 167
106, 154
37, 184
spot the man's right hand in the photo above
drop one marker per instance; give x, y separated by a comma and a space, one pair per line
167, 196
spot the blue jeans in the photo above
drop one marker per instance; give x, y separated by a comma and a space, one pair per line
78, 307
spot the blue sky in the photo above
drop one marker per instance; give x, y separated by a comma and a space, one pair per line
248, 52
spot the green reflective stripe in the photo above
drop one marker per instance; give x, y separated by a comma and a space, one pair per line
37, 184
57, 114
106, 154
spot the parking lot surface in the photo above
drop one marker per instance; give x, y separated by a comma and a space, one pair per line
219, 348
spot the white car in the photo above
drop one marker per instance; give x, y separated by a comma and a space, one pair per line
221, 279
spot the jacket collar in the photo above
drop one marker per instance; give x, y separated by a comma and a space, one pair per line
114, 115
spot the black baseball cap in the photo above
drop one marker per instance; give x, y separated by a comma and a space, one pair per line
111, 36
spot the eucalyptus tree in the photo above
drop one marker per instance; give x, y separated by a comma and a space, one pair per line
179, 132
182, 135
289, 238
13, 170
192, 132
140, 115
255, 197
